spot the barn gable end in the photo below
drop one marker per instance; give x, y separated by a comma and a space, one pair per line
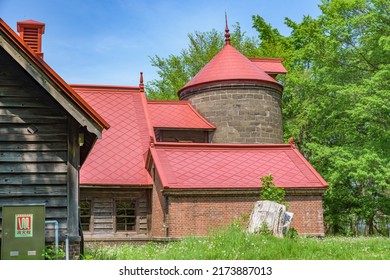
46, 132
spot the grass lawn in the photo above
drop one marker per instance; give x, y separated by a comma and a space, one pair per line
235, 244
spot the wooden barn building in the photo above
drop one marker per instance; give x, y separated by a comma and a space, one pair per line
46, 131
164, 169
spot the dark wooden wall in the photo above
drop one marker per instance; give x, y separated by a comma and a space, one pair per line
181, 135
33, 144
102, 200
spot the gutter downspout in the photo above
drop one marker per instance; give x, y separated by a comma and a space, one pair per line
67, 248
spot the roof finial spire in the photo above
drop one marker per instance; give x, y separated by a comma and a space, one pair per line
141, 82
227, 34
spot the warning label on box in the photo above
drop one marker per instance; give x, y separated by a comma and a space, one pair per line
23, 225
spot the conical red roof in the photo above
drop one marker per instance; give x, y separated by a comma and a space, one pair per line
229, 65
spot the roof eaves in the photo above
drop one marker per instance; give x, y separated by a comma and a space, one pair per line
113, 185
99, 87
273, 83
170, 128
220, 146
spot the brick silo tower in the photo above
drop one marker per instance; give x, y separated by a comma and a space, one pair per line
239, 96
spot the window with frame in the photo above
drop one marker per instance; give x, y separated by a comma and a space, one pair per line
126, 218
85, 214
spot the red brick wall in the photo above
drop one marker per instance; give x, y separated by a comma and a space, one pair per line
308, 214
197, 215
74, 250
157, 228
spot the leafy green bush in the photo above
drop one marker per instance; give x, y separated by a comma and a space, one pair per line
269, 191
50, 253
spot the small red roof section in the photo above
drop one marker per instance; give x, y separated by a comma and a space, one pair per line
270, 65
229, 65
231, 166
176, 114
117, 158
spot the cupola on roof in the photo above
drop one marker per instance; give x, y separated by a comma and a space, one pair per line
227, 66
31, 32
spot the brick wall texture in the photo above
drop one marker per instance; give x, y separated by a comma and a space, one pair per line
157, 227
74, 250
197, 215
241, 113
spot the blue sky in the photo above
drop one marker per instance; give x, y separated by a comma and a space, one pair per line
109, 42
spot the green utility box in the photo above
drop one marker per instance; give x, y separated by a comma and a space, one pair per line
23, 232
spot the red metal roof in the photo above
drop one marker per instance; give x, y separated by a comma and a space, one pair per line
269, 65
211, 166
176, 114
52, 75
117, 158
229, 65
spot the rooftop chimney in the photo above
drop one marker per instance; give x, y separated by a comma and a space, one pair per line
31, 32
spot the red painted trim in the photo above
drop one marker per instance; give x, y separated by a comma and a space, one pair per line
99, 87
212, 146
152, 136
114, 185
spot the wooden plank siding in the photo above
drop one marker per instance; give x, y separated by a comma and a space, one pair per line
103, 212
33, 144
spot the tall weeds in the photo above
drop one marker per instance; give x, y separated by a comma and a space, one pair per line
235, 244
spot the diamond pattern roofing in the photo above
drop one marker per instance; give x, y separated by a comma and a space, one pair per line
118, 158
176, 114
212, 166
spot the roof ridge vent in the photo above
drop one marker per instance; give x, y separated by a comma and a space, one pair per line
31, 32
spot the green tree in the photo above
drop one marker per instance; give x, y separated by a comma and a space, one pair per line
336, 104
176, 70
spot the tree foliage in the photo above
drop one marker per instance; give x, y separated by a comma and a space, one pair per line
336, 105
